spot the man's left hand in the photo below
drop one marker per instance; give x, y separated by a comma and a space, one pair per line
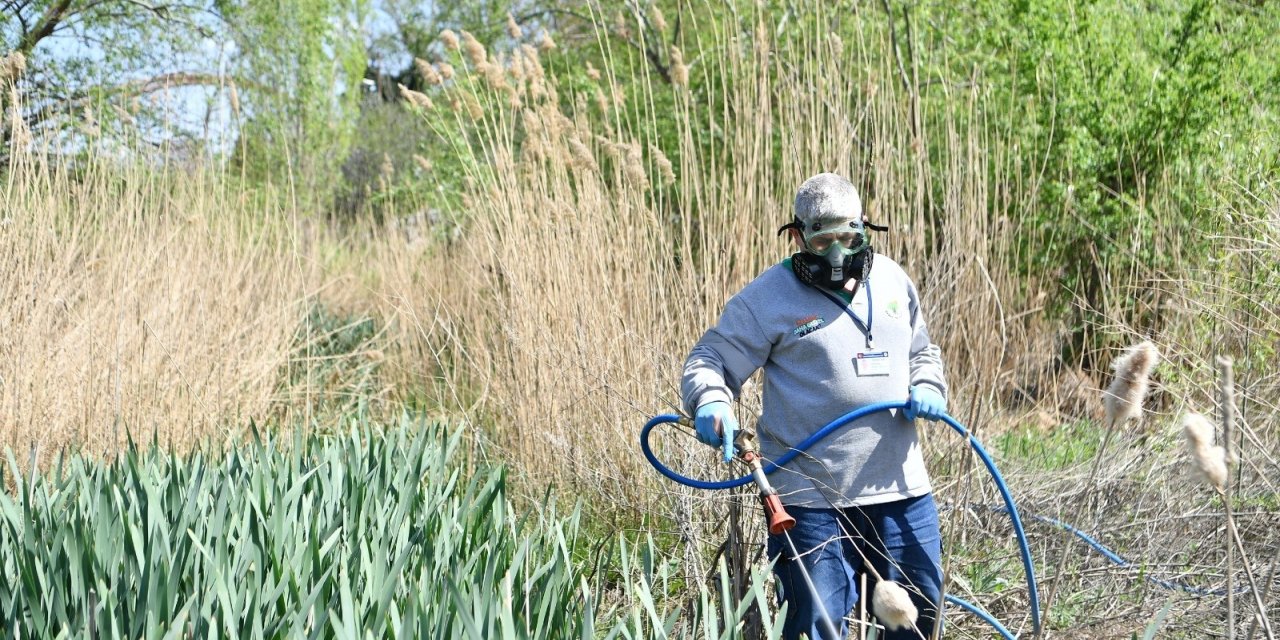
926, 403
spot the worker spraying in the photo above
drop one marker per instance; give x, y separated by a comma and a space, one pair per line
834, 327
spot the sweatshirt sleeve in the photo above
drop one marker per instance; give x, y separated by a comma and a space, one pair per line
926, 357
724, 358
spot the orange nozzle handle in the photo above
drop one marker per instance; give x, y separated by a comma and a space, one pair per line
779, 519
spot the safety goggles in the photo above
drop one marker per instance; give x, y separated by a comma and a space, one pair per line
822, 243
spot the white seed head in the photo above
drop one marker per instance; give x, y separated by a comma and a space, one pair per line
1210, 459
1123, 398
893, 606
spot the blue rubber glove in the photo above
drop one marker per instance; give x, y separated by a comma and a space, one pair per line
716, 426
926, 403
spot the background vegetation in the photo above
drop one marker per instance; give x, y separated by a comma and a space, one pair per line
235, 214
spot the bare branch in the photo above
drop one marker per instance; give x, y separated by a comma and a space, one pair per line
48, 22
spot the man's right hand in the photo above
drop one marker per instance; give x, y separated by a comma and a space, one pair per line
716, 426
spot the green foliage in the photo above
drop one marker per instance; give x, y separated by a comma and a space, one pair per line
1129, 115
363, 533
303, 62
1063, 447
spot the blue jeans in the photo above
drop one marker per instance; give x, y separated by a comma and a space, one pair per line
900, 539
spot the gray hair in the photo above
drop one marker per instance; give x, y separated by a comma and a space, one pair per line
827, 196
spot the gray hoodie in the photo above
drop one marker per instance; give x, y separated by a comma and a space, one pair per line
807, 345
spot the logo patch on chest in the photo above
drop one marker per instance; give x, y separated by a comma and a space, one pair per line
894, 308
806, 326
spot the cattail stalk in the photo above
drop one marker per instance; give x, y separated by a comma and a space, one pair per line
1123, 402
1226, 384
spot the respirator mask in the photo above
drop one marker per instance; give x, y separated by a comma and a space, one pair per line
835, 251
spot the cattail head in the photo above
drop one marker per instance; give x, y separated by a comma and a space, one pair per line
679, 72
446, 71
422, 163
428, 72
415, 98
1210, 459
473, 49
513, 29
1123, 399
592, 71
449, 39
893, 606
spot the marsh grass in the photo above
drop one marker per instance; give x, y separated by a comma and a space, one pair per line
140, 301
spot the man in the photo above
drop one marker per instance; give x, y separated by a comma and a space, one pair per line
834, 327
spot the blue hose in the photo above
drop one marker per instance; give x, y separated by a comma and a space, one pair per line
771, 466
981, 613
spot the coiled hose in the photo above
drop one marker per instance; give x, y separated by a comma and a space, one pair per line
770, 467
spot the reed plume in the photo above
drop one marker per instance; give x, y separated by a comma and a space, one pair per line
679, 72
427, 71
474, 50
415, 98
546, 43
659, 20
450, 39
12, 66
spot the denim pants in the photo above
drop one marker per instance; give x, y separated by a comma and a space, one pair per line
900, 539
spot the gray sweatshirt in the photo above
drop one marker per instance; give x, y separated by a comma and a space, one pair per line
808, 346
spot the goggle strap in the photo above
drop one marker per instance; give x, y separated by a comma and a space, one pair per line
794, 224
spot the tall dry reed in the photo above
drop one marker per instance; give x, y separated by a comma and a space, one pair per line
137, 301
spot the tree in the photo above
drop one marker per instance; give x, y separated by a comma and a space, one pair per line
95, 62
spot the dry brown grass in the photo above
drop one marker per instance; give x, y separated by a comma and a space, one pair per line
137, 302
